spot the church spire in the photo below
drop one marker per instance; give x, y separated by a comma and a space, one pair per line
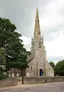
37, 34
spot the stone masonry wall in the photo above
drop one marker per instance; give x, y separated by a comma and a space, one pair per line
34, 80
8, 82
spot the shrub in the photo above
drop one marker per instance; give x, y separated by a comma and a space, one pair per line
3, 76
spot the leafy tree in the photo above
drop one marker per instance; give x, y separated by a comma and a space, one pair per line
3, 76
2, 59
59, 68
52, 64
10, 40
2, 56
7, 30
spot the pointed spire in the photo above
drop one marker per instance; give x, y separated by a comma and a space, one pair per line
37, 15
37, 34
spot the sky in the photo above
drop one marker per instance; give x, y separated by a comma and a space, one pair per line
51, 14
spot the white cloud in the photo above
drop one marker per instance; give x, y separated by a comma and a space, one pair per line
55, 47
1, 12
51, 17
26, 42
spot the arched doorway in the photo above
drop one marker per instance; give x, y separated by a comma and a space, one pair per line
41, 72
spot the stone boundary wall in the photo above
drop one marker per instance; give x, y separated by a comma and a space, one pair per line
34, 80
8, 82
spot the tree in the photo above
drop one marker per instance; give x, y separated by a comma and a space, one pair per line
6, 31
2, 64
59, 68
2, 56
52, 64
10, 40
2, 59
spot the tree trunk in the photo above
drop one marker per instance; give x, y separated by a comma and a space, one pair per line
22, 79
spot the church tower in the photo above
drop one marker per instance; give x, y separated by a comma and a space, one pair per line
37, 41
38, 65
38, 49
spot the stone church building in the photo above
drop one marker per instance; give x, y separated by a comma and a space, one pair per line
38, 65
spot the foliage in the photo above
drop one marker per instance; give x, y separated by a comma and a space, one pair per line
2, 56
21, 62
52, 64
3, 76
28, 53
15, 53
59, 68
6, 31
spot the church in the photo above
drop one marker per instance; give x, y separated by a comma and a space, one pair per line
37, 62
